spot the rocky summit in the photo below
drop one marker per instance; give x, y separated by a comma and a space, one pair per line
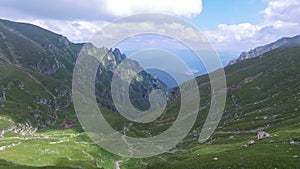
259, 51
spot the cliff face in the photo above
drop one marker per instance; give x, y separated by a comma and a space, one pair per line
284, 42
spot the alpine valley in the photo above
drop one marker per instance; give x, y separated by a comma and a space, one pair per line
260, 127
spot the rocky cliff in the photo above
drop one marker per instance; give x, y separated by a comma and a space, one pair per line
259, 51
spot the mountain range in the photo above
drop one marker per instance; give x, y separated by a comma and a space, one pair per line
39, 127
259, 51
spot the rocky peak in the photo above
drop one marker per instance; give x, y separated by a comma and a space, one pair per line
50, 54
119, 57
283, 42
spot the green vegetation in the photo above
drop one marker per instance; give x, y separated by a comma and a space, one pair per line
263, 94
41, 129
66, 148
274, 109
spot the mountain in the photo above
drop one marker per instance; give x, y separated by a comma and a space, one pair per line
284, 42
263, 95
38, 49
31, 47
39, 127
36, 107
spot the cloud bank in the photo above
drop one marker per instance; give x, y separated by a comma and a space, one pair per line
100, 9
80, 19
281, 18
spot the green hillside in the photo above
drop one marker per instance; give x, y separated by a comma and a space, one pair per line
274, 109
37, 49
39, 127
263, 95
31, 97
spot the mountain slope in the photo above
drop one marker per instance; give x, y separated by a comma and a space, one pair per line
36, 107
263, 94
36, 48
283, 42
31, 97
40, 50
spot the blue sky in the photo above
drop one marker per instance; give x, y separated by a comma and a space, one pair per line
216, 12
232, 26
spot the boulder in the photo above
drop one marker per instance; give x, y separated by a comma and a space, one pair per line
293, 142
262, 135
250, 143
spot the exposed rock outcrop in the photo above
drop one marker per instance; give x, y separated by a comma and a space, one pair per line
284, 42
23, 129
262, 135
250, 143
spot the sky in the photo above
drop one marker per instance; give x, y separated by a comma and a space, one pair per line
232, 26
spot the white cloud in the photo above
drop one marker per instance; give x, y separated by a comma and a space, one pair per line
76, 31
281, 19
154, 34
80, 19
285, 11
241, 31
187, 8
101, 9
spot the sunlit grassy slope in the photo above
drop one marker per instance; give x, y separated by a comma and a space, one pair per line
263, 94
51, 146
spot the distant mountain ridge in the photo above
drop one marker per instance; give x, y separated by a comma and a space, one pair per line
283, 42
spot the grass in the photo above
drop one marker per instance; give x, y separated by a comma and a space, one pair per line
263, 93
269, 100
229, 154
45, 149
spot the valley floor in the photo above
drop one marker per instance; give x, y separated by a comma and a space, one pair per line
69, 149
